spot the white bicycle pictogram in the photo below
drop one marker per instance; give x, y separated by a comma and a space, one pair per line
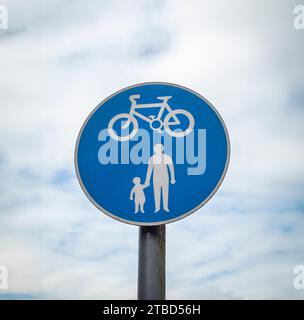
156, 122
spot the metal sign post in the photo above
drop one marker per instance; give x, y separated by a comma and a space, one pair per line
148, 155
152, 263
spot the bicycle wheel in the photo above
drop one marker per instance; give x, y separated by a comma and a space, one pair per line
176, 113
120, 117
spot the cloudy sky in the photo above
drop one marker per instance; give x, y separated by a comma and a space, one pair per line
60, 58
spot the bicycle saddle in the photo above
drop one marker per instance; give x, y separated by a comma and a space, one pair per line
134, 97
165, 98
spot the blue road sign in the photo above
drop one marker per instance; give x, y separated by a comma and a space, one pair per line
152, 153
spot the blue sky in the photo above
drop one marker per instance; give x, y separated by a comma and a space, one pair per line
59, 59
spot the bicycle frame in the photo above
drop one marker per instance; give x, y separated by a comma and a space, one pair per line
162, 124
162, 107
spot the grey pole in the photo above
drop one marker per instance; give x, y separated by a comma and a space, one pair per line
152, 263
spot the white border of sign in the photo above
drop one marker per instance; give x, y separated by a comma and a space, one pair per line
165, 221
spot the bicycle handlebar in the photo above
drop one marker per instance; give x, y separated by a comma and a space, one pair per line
165, 98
